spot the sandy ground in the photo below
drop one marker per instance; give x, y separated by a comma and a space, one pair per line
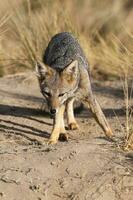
86, 167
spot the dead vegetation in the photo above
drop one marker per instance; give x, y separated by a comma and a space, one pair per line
104, 29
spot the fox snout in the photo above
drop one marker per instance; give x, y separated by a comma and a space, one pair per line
54, 105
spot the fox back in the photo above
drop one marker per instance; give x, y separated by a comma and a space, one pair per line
62, 50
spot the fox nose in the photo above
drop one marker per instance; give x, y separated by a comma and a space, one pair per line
53, 111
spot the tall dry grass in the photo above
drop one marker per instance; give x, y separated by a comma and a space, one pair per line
103, 27
128, 95
3, 30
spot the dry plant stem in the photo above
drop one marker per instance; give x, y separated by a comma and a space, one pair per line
29, 8
128, 122
129, 143
126, 93
98, 114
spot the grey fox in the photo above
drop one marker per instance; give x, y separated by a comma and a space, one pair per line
63, 77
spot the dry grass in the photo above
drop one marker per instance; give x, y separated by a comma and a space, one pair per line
3, 30
128, 94
105, 34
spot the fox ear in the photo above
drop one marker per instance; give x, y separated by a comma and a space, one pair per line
72, 69
43, 70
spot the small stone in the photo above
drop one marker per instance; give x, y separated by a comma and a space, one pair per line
34, 187
52, 163
60, 158
67, 171
46, 150
2, 194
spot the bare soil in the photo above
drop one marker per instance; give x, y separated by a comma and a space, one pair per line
87, 167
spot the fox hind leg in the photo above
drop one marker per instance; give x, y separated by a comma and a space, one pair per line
72, 124
98, 114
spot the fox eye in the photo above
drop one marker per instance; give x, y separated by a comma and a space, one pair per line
47, 93
62, 94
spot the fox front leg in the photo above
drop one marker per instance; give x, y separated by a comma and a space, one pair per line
72, 124
98, 114
58, 126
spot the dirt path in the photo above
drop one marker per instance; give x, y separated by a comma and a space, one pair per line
87, 167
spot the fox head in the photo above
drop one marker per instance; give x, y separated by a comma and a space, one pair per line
57, 86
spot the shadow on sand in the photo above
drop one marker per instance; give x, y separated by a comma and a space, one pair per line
34, 113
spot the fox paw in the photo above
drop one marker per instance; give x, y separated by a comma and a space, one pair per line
109, 133
52, 141
63, 137
73, 126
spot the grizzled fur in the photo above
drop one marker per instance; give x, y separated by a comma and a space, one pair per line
62, 50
